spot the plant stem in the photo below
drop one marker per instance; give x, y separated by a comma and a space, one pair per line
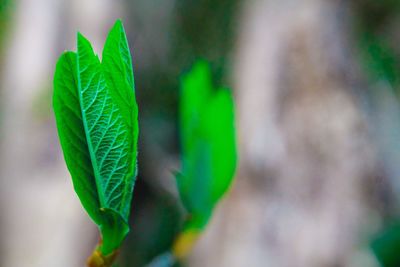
184, 243
97, 259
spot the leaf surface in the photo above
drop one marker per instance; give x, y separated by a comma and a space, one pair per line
72, 135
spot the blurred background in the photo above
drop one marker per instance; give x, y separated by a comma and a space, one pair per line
317, 91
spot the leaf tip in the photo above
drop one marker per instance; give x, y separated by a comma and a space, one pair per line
79, 35
81, 39
118, 21
118, 25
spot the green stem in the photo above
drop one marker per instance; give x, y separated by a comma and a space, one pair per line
97, 259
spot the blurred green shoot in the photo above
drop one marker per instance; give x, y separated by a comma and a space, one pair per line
208, 142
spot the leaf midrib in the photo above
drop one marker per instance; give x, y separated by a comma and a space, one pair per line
86, 128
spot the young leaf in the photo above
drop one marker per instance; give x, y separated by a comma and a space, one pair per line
96, 115
208, 144
72, 135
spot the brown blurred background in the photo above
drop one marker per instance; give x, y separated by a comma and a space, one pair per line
316, 87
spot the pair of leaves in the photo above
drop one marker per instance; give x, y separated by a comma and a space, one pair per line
96, 115
208, 144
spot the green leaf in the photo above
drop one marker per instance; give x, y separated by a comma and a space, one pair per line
208, 144
72, 135
96, 115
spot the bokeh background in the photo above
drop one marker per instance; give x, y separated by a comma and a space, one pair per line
317, 91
